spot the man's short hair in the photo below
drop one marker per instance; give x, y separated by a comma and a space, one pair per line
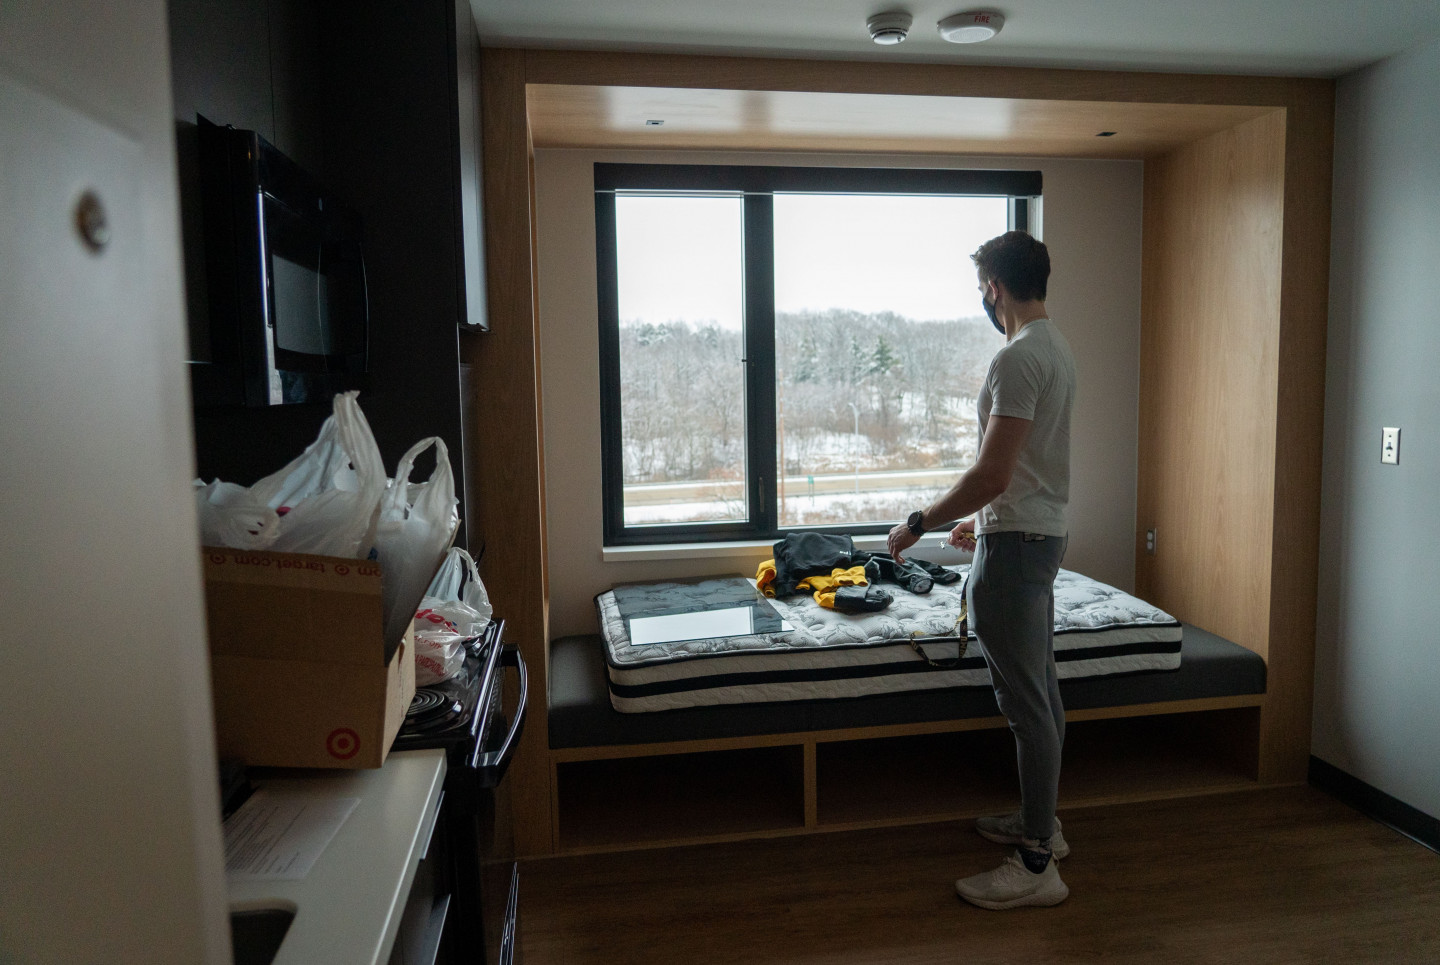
1017, 261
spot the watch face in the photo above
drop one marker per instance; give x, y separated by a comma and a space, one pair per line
915, 521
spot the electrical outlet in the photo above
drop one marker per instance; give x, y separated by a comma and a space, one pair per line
1150, 541
1390, 446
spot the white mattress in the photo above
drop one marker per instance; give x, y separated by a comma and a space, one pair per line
1100, 631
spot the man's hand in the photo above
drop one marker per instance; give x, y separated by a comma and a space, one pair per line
962, 537
900, 540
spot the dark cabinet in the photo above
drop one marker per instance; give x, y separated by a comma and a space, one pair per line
379, 99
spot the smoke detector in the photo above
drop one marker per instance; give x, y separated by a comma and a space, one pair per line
971, 27
889, 28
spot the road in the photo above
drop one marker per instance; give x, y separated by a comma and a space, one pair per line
655, 494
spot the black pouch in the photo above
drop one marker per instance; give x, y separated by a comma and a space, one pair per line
862, 599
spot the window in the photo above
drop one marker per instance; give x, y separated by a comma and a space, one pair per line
787, 348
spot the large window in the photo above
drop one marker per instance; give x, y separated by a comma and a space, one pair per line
788, 348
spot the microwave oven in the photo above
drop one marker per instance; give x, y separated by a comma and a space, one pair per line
285, 276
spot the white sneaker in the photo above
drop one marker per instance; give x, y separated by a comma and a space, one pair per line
1012, 885
1008, 829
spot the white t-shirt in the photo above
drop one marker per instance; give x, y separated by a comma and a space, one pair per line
1032, 377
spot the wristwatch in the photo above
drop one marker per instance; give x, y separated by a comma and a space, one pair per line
916, 523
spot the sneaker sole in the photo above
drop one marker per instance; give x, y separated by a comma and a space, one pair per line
1059, 853
1029, 901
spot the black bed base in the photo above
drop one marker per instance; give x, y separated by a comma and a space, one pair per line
581, 715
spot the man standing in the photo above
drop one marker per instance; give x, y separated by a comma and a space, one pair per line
1018, 490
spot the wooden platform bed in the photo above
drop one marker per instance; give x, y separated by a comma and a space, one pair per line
755, 770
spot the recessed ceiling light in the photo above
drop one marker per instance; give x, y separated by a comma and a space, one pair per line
971, 27
889, 28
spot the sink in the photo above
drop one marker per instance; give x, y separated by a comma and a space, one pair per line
257, 931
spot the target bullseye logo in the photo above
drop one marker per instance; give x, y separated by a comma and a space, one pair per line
218, 559
342, 569
343, 743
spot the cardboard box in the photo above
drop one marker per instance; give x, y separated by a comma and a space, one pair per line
298, 662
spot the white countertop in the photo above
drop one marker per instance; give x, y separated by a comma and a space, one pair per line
350, 903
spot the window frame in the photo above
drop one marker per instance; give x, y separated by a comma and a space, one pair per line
757, 185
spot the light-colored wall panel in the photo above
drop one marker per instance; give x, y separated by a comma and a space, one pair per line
1092, 225
1375, 712
110, 841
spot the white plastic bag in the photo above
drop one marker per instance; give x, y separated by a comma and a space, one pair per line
439, 655
230, 516
416, 524
452, 612
325, 501
328, 497
456, 596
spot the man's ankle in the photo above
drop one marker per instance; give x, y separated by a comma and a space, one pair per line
1036, 856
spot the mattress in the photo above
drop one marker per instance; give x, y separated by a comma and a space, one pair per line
820, 654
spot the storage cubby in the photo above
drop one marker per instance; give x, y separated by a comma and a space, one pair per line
908, 779
914, 778
671, 797
1144, 758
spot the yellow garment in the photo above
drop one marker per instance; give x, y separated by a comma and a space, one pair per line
824, 587
765, 576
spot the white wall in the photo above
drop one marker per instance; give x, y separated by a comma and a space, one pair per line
1092, 222
110, 847
1378, 645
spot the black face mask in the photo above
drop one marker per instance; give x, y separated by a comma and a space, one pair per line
990, 313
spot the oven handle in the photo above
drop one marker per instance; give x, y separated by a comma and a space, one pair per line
490, 768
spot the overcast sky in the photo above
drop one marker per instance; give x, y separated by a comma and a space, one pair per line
680, 257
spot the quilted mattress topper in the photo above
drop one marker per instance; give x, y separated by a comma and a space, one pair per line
1084, 610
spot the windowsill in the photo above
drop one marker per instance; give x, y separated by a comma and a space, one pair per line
927, 548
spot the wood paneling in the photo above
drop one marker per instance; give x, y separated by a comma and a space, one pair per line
608, 69
1232, 385
507, 444
1210, 313
567, 116
1299, 430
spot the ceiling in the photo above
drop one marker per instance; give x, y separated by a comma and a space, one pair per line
1303, 38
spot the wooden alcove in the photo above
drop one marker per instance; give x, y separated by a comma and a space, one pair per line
1234, 281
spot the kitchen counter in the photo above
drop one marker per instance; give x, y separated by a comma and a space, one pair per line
348, 907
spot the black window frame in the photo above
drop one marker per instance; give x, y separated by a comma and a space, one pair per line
757, 184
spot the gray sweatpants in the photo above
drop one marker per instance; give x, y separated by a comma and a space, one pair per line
1011, 595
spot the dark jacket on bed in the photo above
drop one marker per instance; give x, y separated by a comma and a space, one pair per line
799, 555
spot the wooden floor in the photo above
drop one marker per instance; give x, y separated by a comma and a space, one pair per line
1279, 875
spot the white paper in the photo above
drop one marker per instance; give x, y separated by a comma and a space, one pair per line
277, 836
